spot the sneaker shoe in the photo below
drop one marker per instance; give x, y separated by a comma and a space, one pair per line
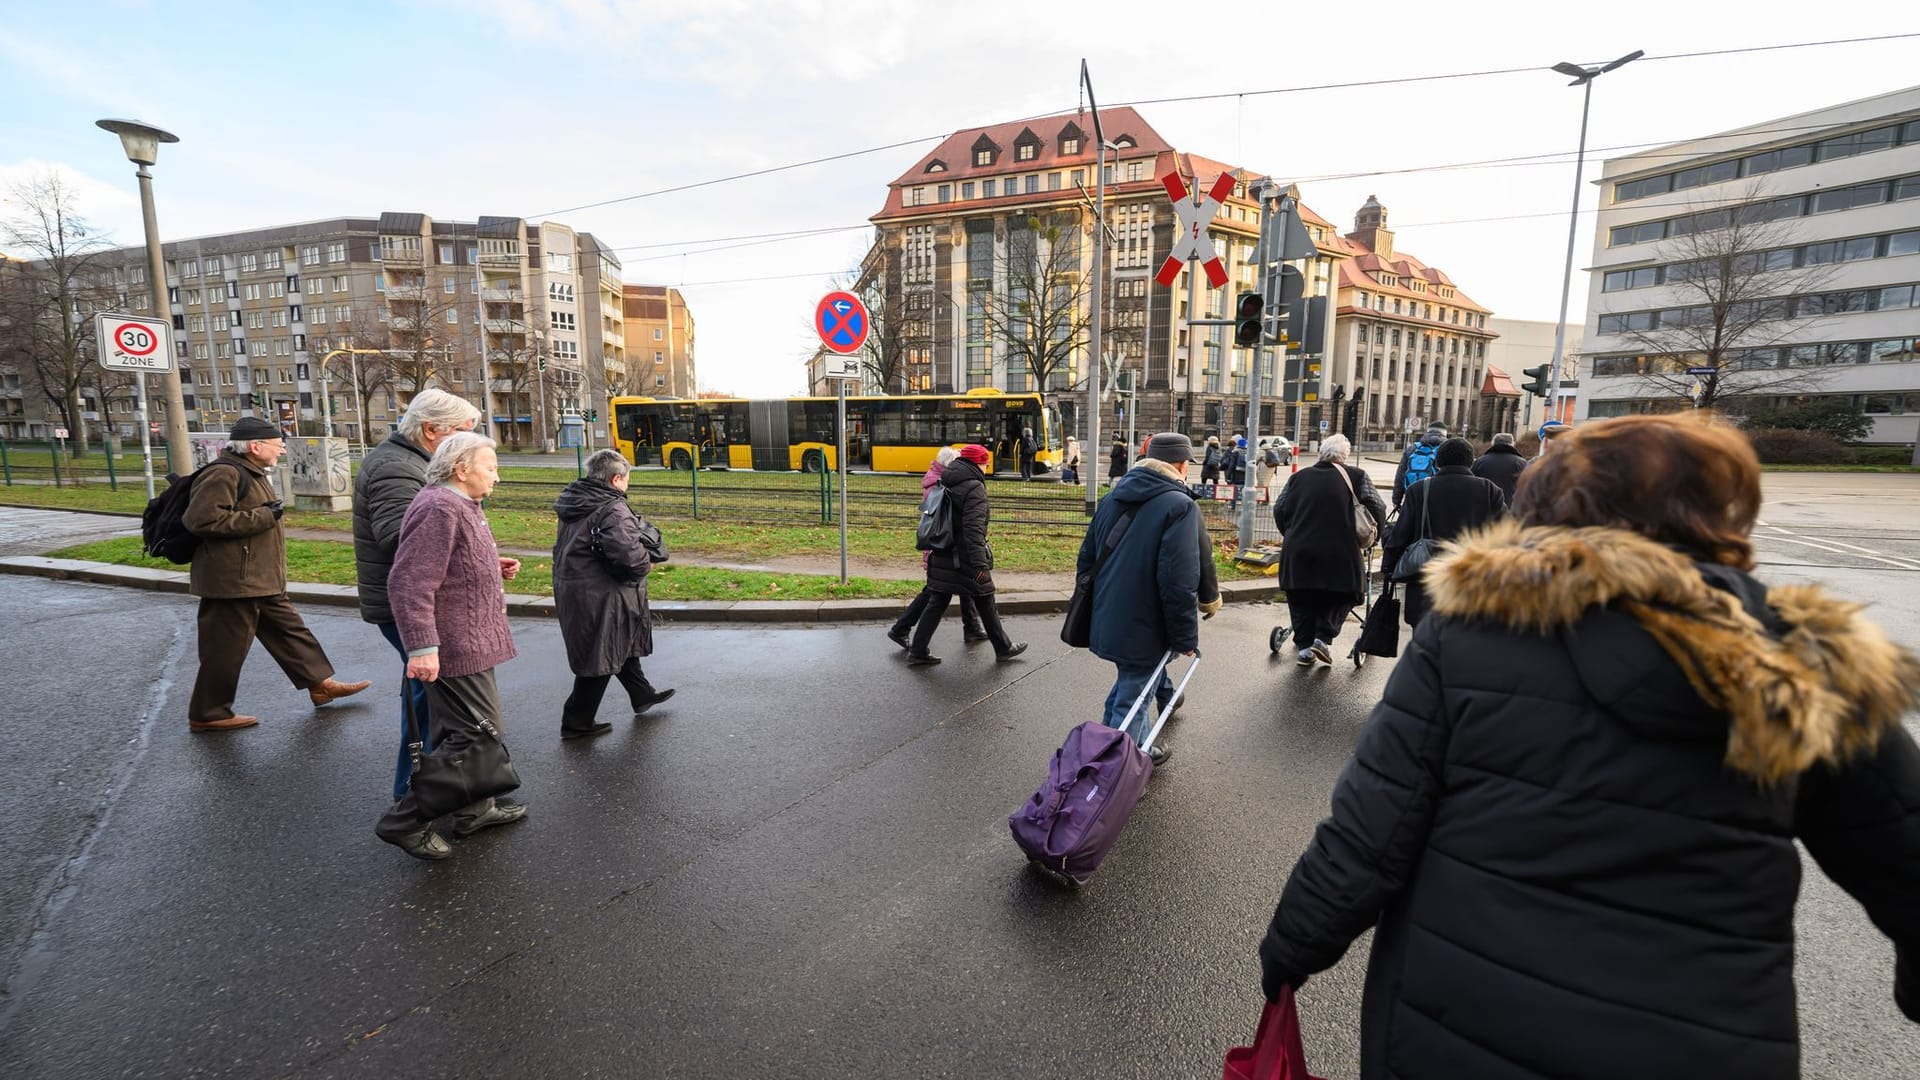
1306, 657
1322, 651
587, 732
425, 844
1159, 753
921, 659
230, 723
498, 814
648, 702
899, 637
1013, 650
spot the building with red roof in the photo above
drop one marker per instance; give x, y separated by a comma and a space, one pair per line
979, 275
1409, 346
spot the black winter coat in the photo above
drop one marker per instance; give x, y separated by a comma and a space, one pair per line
1452, 503
957, 569
1116, 462
1502, 465
600, 597
1314, 514
1578, 855
390, 476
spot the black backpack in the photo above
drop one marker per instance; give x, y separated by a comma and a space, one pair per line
163, 530
935, 532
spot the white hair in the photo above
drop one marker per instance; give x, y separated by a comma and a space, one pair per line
944, 456
606, 464
1335, 448
437, 407
455, 450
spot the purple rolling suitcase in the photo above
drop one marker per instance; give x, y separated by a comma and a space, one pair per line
1096, 777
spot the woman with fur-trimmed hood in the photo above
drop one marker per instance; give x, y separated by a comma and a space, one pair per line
1572, 819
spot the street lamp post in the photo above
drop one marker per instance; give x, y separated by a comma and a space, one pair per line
142, 145
1582, 77
1099, 257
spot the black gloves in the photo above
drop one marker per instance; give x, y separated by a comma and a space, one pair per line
1273, 976
278, 508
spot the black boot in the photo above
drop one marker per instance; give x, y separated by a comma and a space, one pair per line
581, 727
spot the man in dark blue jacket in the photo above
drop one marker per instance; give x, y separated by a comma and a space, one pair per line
1416, 462
1152, 587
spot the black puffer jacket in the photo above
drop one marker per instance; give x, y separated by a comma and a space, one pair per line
957, 569
1579, 855
1450, 504
390, 476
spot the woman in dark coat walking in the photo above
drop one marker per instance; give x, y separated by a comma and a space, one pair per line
1322, 566
966, 568
1116, 460
600, 566
1571, 822
1451, 502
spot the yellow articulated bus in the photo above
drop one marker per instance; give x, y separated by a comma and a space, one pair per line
884, 434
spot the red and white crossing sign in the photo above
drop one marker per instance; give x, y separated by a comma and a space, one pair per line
1192, 241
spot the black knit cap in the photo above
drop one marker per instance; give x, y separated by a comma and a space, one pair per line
1454, 452
249, 428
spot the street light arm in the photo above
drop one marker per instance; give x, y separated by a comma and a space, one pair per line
1623, 61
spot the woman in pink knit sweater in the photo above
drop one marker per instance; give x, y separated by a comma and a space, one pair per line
451, 611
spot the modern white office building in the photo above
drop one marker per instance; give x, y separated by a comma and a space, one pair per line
1789, 248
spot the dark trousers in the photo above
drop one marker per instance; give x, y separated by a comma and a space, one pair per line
910, 618
937, 610
413, 693
1317, 614
459, 702
228, 629
1026, 467
577, 714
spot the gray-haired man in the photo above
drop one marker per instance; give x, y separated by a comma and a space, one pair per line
390, 476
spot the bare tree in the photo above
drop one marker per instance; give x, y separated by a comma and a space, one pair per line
49, 303
364, 374
1040, 312
422, 340
1734, 274
891, 331
513, 366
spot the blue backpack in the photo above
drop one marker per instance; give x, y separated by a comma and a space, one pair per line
1420, 463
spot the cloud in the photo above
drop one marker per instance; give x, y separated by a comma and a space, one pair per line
66, 73
110, 207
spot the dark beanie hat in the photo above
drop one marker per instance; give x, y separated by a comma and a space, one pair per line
249, 428
1170, 446
975, 453
1454, 452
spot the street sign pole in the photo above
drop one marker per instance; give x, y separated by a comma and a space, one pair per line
146, 442
840, 393
136, 344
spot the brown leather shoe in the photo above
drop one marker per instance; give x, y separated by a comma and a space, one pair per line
230, 723
334, 689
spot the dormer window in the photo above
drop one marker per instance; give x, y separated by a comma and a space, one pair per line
1125, 142
1070, 145
1027, 146
983, 157
984, 152
936, 166
1026, 151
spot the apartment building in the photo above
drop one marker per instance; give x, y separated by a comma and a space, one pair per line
961, 232
505, 313
1521, 344
660, 333
1812, 222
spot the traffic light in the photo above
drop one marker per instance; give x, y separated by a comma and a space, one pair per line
593, 415
1246, 319
259, 400
1538, 386
543, 363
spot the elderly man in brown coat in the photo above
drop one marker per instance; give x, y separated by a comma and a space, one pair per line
240, 575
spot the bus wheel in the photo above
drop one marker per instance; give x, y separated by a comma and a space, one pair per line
680, 461
813, 461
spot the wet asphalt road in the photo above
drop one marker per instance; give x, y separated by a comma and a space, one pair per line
799, 868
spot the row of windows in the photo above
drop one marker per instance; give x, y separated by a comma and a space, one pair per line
1827, 201
1883, 246
1419, 310
1030, 184
1382, 335
1881, 404
1821, 354
1790, 157
1838, 302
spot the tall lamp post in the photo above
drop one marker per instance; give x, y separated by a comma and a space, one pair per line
1582, 77
142, 145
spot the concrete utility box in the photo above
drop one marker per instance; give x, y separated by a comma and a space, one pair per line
321, 474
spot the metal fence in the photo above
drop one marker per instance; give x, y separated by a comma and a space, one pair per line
54, 463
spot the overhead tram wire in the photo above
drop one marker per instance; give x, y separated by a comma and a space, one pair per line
1405, 80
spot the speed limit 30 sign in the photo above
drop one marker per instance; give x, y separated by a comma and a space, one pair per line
130, 343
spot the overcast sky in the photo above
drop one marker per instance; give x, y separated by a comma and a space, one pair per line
457, 108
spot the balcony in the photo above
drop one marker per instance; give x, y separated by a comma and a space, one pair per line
500, 258
394, 256
506, 326
502, 295
406, 292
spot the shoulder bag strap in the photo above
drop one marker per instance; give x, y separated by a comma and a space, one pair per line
1352, 492
1119, 528
1426, 504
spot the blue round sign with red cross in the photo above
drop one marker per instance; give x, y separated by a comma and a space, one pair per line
841, 320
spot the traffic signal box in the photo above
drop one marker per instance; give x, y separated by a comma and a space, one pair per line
1247, 314
1537, 380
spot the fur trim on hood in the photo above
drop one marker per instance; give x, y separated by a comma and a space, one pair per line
1822, 687
1164, 468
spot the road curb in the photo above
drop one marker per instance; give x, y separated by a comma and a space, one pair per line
693, 611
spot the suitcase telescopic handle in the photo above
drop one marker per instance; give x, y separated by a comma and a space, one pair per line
1153, 682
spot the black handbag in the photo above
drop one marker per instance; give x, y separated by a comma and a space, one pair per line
651, 539
1421, 551
464, 767
1380, 636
